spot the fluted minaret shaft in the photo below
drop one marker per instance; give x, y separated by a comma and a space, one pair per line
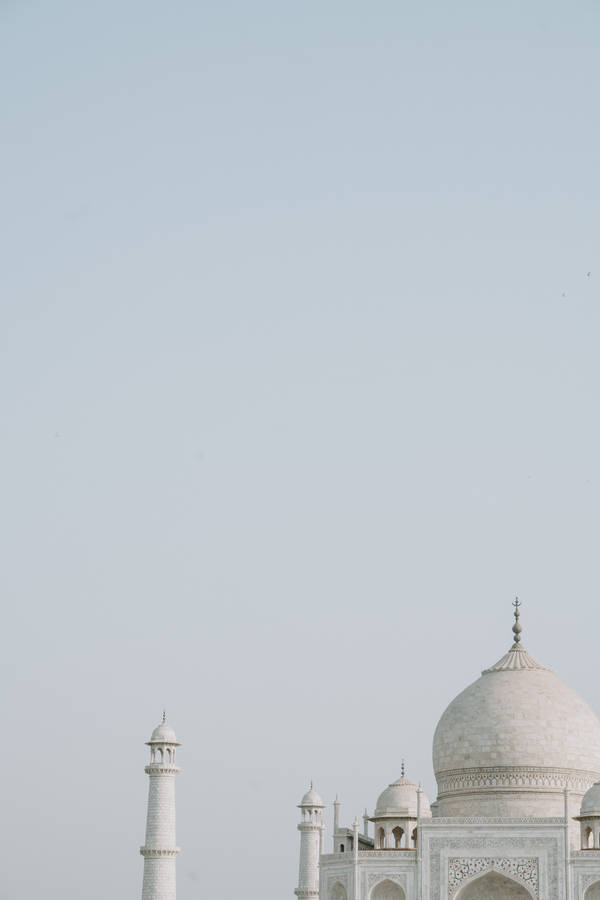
308, 878
311, 839
160, 850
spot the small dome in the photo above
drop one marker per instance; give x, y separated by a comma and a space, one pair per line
311, 798
163, 734
590, 805
399, 801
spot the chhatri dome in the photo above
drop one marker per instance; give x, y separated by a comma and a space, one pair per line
312, 799
163, 733
400, 800
513, 741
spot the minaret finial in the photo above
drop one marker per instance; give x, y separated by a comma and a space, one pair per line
164, 716
517, 627
403, 769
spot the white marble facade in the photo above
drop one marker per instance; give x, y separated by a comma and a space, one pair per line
517, 762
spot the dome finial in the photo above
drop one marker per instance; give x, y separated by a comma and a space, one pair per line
517, 627
164, 716
403, 770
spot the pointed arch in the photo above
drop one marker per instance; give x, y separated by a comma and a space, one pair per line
337, 891
493, 886
398, 834
387, 890
593, 892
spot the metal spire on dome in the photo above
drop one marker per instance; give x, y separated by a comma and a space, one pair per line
403, 770
517, 629
517, 657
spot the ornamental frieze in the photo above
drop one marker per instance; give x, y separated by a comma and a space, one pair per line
513, 777
495, 820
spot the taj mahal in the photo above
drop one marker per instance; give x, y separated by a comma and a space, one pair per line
516, 757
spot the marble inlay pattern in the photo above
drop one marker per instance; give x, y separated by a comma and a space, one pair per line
523, 869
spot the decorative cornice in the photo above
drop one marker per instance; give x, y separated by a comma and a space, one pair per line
493, 820
159, 851
408, 855
523, 869
510, 778
303, 892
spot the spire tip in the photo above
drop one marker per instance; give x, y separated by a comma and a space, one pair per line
517, 629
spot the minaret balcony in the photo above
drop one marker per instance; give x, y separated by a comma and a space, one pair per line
159, 852
161, 768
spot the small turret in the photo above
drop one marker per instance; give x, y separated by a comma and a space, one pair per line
589, 818
397, 812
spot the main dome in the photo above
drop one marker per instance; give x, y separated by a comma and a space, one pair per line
512, 741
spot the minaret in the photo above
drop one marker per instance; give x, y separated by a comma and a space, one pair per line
159, 850
311, 829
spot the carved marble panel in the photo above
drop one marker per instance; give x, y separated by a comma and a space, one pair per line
523, 869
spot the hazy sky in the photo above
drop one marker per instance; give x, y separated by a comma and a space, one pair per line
299, 374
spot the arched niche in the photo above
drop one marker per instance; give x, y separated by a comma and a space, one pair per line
398, 834
588, 840
387, 890
593, 892
338, 892
493, 886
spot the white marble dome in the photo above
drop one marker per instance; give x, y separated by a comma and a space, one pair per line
311, 798
590, 805
163, 734
399, 801
512, 741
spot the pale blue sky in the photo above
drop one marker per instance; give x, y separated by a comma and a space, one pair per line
292, 405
